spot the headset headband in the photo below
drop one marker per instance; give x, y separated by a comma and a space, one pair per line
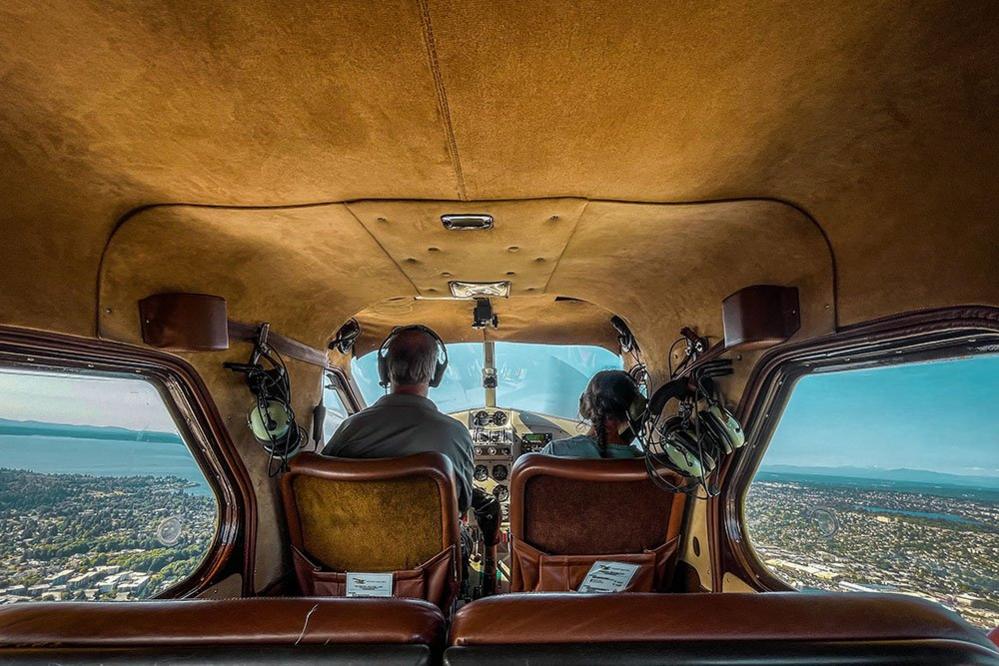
441, 364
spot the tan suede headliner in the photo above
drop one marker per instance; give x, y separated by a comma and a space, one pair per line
878, 118
308, 269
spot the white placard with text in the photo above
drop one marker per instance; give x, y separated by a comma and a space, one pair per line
605, 576
369, 584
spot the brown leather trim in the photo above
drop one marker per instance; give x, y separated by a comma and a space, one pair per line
221, 622
432, 465
183, 321
284, 345
534, 619
233, 551
905, 337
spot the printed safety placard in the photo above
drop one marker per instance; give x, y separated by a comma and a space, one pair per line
369, 584
605, 576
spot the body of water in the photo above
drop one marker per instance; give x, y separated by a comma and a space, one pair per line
989, 495
101, 457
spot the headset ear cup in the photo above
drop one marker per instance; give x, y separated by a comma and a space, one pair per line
682, 452
383, 378
717, 432
439, 371
274, 429
728, 425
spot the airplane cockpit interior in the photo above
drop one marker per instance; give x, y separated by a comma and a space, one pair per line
456, 332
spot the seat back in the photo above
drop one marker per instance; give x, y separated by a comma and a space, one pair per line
244, 631
397, 515
789, 628
567, 513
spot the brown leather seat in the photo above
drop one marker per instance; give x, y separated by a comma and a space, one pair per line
397, 515
567, 513
259, 630
779, 627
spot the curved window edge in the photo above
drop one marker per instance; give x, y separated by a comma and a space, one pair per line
198, 420
904, 338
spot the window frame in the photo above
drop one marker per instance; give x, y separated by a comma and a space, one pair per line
906, 338
347, 392
198, 421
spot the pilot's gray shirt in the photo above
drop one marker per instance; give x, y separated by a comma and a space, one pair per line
401, 424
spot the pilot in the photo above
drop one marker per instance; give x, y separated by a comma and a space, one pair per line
605, 404
406, 421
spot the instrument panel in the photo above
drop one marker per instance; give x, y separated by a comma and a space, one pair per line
499, 437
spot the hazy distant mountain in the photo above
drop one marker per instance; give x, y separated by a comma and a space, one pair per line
38, 428
900, 474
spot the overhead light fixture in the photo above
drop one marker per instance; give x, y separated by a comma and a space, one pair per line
469, 222
479, 289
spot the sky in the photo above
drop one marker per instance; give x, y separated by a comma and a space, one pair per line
941, 416
82, 400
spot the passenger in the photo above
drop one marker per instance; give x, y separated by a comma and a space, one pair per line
406, 421
604, 404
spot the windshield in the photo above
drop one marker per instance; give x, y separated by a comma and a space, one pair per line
545, 379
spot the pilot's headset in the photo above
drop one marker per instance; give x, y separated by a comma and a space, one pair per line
383, 370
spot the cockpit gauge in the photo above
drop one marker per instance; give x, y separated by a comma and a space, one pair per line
481, 418
501, 492
481, 473
499, 418
500, 472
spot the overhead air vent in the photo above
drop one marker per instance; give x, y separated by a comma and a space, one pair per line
471, 222
479, 289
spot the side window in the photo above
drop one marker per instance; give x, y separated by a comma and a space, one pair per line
100, 497
336, 410
887, 479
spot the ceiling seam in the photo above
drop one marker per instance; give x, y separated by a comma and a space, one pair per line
442, 103
381, 247
568, 240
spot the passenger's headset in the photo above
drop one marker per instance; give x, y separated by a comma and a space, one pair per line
636, 414
383, 370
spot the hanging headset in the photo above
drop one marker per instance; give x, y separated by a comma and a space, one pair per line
271, 418
383, 372
693, 442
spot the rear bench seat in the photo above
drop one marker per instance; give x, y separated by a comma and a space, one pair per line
254, 631
771, 628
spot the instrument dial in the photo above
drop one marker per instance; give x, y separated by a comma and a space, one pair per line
501, 492
481, 473
499, 418
500, 472
481, 418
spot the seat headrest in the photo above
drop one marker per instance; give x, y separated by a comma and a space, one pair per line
535, 619
257, 621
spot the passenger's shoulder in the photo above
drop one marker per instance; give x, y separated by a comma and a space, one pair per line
570, 446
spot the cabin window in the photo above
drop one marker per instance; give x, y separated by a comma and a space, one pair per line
887, 479
333, 402
100, 496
